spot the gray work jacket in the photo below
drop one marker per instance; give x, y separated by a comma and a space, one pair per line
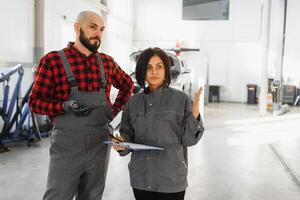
162, 118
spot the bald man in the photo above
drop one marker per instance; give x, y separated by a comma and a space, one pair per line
72, 86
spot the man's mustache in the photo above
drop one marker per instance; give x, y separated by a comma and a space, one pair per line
96, 38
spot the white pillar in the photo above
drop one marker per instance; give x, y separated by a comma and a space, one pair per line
39, 30
266, 11
281, 21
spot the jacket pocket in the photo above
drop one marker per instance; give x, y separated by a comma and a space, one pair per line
170, 168
138, 123
136, 166
169, 126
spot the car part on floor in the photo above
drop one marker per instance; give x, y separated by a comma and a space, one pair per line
15, 111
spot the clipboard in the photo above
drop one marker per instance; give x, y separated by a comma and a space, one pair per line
134, 146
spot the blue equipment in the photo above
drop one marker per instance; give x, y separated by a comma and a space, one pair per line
16, 111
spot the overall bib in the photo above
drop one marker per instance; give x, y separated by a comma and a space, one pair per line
78, 158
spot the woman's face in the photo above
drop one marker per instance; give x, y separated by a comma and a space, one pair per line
155, 74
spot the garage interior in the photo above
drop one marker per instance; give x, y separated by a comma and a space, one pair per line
245, 54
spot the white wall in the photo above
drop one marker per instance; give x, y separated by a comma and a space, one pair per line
291, 65
231, 49
59, 20
119, 33
16, 40
291, 60
276, 29
17, 31
61, 15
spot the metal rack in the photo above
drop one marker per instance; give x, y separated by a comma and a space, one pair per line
15, 111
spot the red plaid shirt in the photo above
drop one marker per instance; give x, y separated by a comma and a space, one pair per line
51, 87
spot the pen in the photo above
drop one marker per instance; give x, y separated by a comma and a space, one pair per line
112, 136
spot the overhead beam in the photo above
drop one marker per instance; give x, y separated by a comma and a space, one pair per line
197, 2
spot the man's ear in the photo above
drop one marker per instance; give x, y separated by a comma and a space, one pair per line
77, 27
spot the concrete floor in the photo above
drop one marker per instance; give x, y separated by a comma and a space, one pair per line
241, 156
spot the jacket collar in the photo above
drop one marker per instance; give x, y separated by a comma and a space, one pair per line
157, 93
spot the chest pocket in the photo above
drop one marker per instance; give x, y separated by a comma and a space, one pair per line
139, 125
169, 126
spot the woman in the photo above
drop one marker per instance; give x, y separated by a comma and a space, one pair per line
163, 117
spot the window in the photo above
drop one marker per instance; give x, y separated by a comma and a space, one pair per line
205, 10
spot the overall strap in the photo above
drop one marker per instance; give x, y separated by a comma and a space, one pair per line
102, 72
68, 70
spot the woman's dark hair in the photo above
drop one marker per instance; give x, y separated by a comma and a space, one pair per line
142, 63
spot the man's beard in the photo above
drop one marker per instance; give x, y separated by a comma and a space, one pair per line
86, 42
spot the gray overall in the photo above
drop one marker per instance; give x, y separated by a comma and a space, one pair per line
78, 158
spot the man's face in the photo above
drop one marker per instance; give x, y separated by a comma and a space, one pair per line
90, 33
91, 43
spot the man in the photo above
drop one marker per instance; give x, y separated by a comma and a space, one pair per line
72, 87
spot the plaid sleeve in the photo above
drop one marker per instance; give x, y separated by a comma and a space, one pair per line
122, 81
41, 98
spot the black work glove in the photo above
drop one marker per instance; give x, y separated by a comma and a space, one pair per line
79, 110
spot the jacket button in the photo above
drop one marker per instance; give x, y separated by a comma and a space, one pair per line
148, 158
149, 187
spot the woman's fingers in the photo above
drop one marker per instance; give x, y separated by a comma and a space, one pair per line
118, 148
199, 91
197, 94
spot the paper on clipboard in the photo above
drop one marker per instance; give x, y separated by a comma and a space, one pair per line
133, 146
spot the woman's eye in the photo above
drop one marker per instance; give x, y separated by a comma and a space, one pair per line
160, 66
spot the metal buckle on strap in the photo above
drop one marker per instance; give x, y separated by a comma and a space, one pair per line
73, 83
103, 84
